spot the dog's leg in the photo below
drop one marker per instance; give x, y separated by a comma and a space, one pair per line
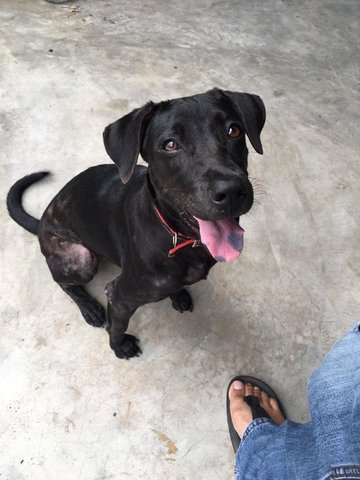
91, 310
73, 265
119, 312
123, 344
181, 301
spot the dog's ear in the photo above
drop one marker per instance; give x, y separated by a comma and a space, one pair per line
252, 113
123, 138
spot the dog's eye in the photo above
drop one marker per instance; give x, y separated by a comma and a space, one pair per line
171, 146
234, 131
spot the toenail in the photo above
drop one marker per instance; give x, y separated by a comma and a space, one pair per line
238, 385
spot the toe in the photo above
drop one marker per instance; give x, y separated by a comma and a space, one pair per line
272, 408
257, 392
265, 399
236, 396
274, 404
249, 389
236, 390
240, 412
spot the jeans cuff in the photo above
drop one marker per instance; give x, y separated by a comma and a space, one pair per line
253, 425
344, 472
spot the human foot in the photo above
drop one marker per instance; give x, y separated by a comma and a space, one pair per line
240, 411
249, 398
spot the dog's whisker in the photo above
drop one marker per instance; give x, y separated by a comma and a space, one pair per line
260, 193
255, 180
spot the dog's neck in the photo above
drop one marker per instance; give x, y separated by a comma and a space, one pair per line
171, 215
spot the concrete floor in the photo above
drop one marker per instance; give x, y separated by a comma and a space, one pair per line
69, 409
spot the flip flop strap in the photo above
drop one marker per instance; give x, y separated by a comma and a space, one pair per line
256, 410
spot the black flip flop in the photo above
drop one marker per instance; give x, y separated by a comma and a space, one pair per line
253, 403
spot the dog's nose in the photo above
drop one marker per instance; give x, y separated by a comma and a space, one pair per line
230, 195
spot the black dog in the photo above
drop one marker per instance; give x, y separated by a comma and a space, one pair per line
165, 225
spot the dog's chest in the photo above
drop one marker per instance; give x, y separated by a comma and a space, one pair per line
193, 275
197, 269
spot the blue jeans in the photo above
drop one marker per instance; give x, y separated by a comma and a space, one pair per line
327, 447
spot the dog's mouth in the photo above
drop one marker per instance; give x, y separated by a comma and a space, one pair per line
223, 238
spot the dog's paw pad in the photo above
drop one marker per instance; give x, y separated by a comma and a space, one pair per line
182, 301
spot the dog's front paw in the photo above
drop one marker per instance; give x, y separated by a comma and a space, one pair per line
181, 301
127, 348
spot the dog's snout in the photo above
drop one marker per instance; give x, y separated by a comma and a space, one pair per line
231, 195
226, 191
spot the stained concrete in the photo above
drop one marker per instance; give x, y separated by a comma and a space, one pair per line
69, 409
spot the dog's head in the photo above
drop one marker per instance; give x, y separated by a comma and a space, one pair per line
196, 150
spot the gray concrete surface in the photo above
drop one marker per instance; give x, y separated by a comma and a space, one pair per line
68, 408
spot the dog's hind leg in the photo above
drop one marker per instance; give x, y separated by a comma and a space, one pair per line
93, 313
72, 265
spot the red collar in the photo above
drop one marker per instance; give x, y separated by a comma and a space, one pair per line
176, 235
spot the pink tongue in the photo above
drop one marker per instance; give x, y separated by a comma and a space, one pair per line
223, 238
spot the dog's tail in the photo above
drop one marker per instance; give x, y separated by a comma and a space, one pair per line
14, 202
